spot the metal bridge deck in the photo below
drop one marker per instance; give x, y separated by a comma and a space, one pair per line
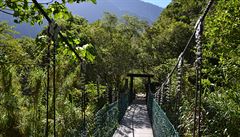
135, 122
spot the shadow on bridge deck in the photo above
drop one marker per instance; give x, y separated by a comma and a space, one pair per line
135, 122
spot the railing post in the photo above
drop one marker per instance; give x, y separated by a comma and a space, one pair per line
126, 84
131, 90
148, 89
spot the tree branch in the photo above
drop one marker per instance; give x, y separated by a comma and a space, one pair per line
41, 10
45, 3
5, 12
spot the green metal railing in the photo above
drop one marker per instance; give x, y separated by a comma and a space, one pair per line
107, 118
123, 104
161, 125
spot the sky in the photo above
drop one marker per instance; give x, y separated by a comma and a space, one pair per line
160, 3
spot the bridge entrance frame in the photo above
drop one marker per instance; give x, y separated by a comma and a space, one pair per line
132, 76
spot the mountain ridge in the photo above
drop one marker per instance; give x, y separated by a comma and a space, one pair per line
92, 12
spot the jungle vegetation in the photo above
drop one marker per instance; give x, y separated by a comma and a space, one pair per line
112, 47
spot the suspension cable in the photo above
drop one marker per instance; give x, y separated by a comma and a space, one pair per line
82, 84
51, 21
53, 33
197, 32
198, 37
6, 12
48, 87
190, 39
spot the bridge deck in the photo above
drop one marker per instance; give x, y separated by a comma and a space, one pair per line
135, 122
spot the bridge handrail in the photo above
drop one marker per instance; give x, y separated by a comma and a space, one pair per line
165, 94
161, 125
108, 118
123, 104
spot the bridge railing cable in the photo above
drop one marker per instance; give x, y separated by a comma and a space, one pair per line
163, 94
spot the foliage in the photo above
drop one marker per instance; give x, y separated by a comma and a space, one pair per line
220, 73
169, 34
116, 43
111, 48
23, 89
26, 11
221, 69
28, 57
107, 120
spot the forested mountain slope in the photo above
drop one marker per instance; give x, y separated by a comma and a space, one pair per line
93, 12
109, 49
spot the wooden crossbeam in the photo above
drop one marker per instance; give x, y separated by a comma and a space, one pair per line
139, 75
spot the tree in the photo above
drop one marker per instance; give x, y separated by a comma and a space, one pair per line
26, 11
221, 69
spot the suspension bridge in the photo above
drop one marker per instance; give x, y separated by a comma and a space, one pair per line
132, 115
135, 116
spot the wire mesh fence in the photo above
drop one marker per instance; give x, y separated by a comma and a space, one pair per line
161, 125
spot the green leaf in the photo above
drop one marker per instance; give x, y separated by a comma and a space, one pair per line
94, 1
76, 41
87, 52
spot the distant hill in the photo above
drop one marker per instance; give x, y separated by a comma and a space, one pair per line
92, 12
